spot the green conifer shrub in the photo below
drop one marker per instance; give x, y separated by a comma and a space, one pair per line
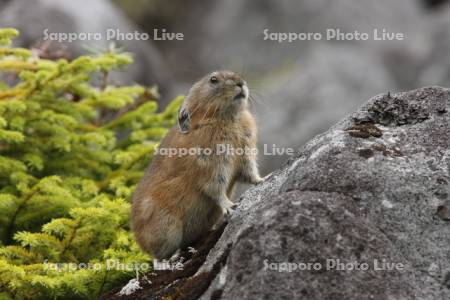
71, 153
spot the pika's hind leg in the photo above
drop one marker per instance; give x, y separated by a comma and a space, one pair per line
169, 244
199, 220
160, 235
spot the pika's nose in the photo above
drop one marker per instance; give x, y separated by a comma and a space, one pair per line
240, 83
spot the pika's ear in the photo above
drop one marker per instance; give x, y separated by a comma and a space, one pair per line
184, 120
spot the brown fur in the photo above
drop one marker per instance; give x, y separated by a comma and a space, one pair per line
180, 198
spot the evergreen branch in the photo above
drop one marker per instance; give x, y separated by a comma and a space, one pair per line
104, 84
15, 51
102, 285
48, 131
10, 93
104, 183
10, 227
18, 66
147, 95
72, 236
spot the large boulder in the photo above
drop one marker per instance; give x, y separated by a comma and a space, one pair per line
361, 212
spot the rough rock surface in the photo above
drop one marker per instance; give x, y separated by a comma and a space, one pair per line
374, 187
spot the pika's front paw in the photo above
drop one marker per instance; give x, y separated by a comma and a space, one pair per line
256, 180
227, 207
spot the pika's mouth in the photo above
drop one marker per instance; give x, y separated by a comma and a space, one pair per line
240, 96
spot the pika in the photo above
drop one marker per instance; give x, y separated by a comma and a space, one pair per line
182, 196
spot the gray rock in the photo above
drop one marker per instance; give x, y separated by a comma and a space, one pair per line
79, 16
370, 188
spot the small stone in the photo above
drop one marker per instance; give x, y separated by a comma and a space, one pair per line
364, 130
358, 134
366, 153
443, 211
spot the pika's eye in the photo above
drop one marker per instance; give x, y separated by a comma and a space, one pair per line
214, 79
